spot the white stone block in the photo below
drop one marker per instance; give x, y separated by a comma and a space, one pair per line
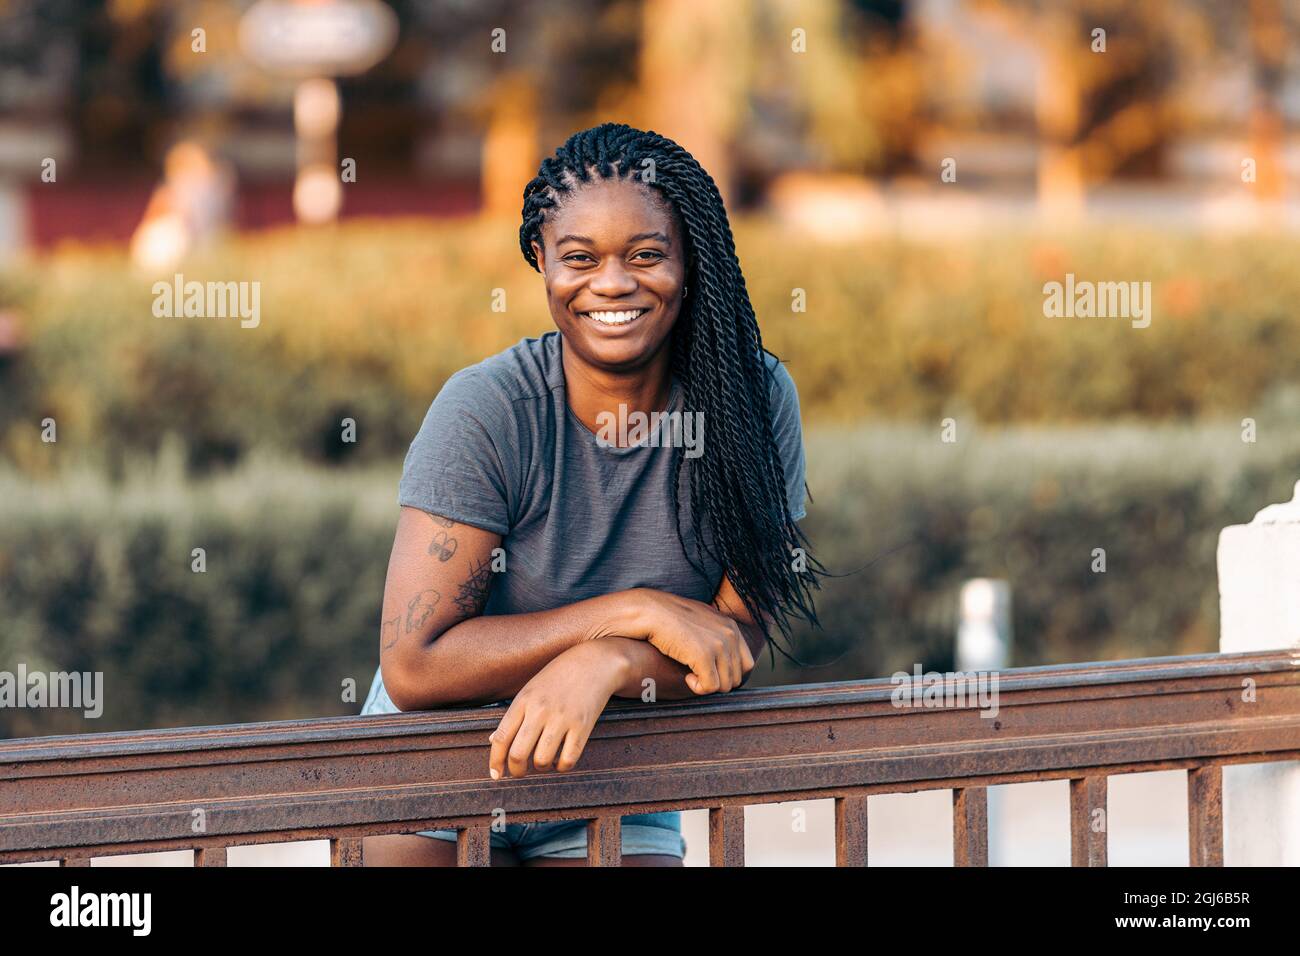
1259, 609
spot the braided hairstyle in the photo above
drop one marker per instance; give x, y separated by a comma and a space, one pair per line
737, 486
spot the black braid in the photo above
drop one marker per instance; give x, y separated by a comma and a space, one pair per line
737, 486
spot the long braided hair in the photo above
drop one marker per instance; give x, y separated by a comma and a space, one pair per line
737, 486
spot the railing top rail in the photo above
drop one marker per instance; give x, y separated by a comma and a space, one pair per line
1074, 676
348, 776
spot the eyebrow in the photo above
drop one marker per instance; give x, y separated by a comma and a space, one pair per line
637, 238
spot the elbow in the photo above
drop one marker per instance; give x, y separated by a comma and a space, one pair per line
407, 687
395, 683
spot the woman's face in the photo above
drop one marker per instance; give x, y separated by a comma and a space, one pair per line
613, 248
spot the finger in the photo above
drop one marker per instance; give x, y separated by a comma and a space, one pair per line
683, 652
728, 662
524, 743
708, 679
502, 737
746, 656
737, 669
575, 742
548, 744
703, 668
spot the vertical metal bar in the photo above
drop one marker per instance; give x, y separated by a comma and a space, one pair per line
1089, 821
1205, 815
727, 836
74, 861
345, 851
474, 847
851, 830
970, 826
210, 856
605, 841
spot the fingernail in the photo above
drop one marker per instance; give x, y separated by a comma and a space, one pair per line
495, 773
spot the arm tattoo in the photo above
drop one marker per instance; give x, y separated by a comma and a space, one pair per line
420, 608
390, 631
440, 520
473, 593
443, 545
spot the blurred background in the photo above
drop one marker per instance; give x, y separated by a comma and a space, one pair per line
917, 169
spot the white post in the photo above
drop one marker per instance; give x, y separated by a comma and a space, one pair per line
1259, 609
984, 644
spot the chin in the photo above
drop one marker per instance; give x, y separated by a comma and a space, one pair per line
614, 350
617, 356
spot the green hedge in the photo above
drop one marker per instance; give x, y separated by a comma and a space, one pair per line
1030, 505
99, 577
366, 321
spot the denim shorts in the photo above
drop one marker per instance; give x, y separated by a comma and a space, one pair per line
643, 833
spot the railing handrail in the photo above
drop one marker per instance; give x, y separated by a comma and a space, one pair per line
349, 726
344, 777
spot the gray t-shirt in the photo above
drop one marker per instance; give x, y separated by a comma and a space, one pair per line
501, 450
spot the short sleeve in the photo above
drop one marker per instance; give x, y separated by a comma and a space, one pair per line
788, 433
459, 464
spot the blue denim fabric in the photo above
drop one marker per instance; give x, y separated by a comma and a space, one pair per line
643, 833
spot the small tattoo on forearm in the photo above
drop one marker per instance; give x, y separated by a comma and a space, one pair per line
420, 608
472, 597
440, 520
443, 545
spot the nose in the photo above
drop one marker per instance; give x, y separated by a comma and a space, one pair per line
612, 280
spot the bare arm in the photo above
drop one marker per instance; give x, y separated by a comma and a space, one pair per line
437, 649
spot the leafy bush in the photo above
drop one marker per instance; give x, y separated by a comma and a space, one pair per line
1030, 505
367, 320
100, 578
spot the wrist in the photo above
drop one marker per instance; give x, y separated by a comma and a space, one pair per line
636, 613
613, 662
621, 614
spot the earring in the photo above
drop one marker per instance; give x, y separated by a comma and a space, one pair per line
685, 289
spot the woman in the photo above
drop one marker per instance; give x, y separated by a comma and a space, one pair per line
545, 555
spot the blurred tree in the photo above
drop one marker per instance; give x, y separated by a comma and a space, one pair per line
694, 64
1102, 102
848, 101
1106, 98
1268, 34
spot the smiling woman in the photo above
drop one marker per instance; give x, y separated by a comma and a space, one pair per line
538, 562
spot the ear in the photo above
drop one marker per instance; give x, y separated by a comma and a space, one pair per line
540, 254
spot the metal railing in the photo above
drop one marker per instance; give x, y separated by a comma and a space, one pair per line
208, 788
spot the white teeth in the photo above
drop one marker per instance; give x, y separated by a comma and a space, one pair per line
615, 318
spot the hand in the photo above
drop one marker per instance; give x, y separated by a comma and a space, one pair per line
698, 635
557, 708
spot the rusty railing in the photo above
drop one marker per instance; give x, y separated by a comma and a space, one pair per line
73, 797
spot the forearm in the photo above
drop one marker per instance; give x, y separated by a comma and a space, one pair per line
488, 658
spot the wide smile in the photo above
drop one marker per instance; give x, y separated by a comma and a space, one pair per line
610, 320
